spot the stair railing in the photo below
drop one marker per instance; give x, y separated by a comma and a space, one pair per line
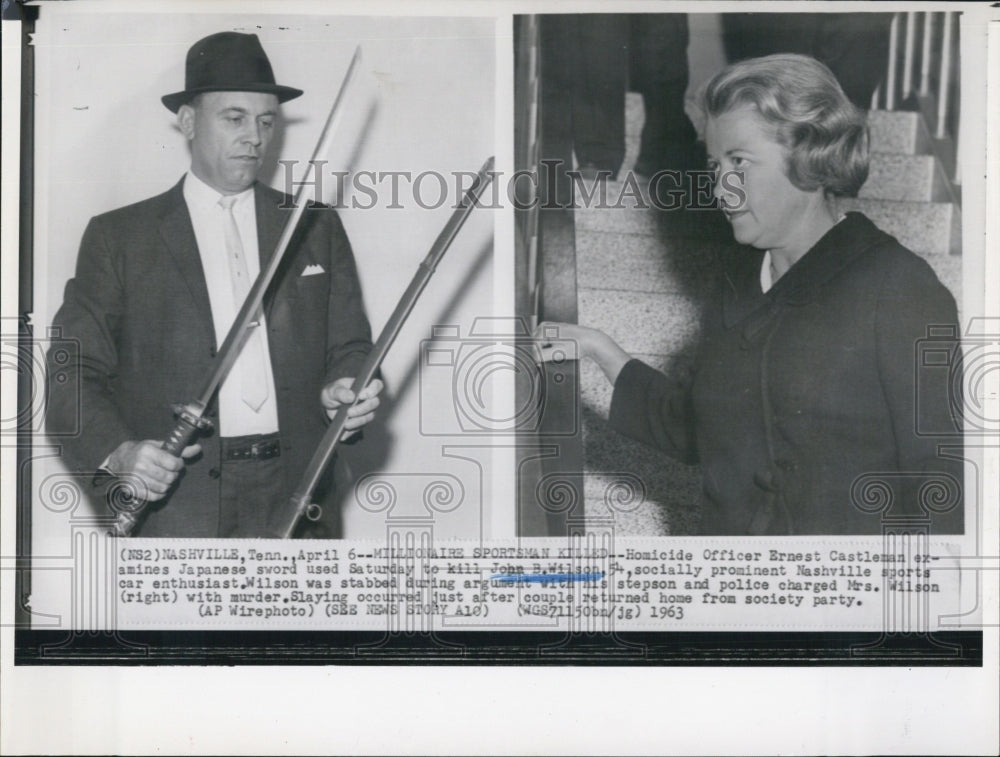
937, 94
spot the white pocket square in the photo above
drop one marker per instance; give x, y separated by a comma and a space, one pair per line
312, 270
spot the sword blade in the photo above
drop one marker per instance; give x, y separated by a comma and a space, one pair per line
249, 315
190, 417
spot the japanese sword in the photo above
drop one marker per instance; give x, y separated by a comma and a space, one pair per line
300, 502
190, 417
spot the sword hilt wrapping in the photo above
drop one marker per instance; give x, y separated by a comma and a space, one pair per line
189, 424
125, 524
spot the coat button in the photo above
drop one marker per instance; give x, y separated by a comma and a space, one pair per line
214, 473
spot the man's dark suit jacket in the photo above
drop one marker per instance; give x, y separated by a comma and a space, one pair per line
139, 313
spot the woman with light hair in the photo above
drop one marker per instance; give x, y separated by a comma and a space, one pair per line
804, 396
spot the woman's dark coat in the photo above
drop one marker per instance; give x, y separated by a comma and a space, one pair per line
820, 407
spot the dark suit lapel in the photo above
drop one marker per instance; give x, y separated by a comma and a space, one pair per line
270, 220
270, 223
178, 236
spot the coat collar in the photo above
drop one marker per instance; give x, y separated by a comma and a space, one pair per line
838, 248
741, 275
273, 210
270, 221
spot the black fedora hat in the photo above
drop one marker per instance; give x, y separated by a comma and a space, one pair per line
227, 62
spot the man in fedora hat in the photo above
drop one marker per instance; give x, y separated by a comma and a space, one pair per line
157, 286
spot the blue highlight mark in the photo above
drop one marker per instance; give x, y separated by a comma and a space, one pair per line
539, 578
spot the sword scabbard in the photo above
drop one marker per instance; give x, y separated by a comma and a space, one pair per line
299, 504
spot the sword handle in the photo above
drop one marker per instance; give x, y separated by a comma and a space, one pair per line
189, 424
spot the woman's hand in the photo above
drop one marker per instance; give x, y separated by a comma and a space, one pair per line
551, 345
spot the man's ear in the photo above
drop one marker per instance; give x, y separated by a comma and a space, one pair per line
185, 120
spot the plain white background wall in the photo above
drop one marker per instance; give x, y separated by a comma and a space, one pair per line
425, 101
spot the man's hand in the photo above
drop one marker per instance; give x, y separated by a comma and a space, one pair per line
339, 393
155, 468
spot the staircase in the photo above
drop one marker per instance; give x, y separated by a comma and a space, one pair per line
642, 275
908, 194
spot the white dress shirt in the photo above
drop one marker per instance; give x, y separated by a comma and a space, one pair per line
236, 418
766, 278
